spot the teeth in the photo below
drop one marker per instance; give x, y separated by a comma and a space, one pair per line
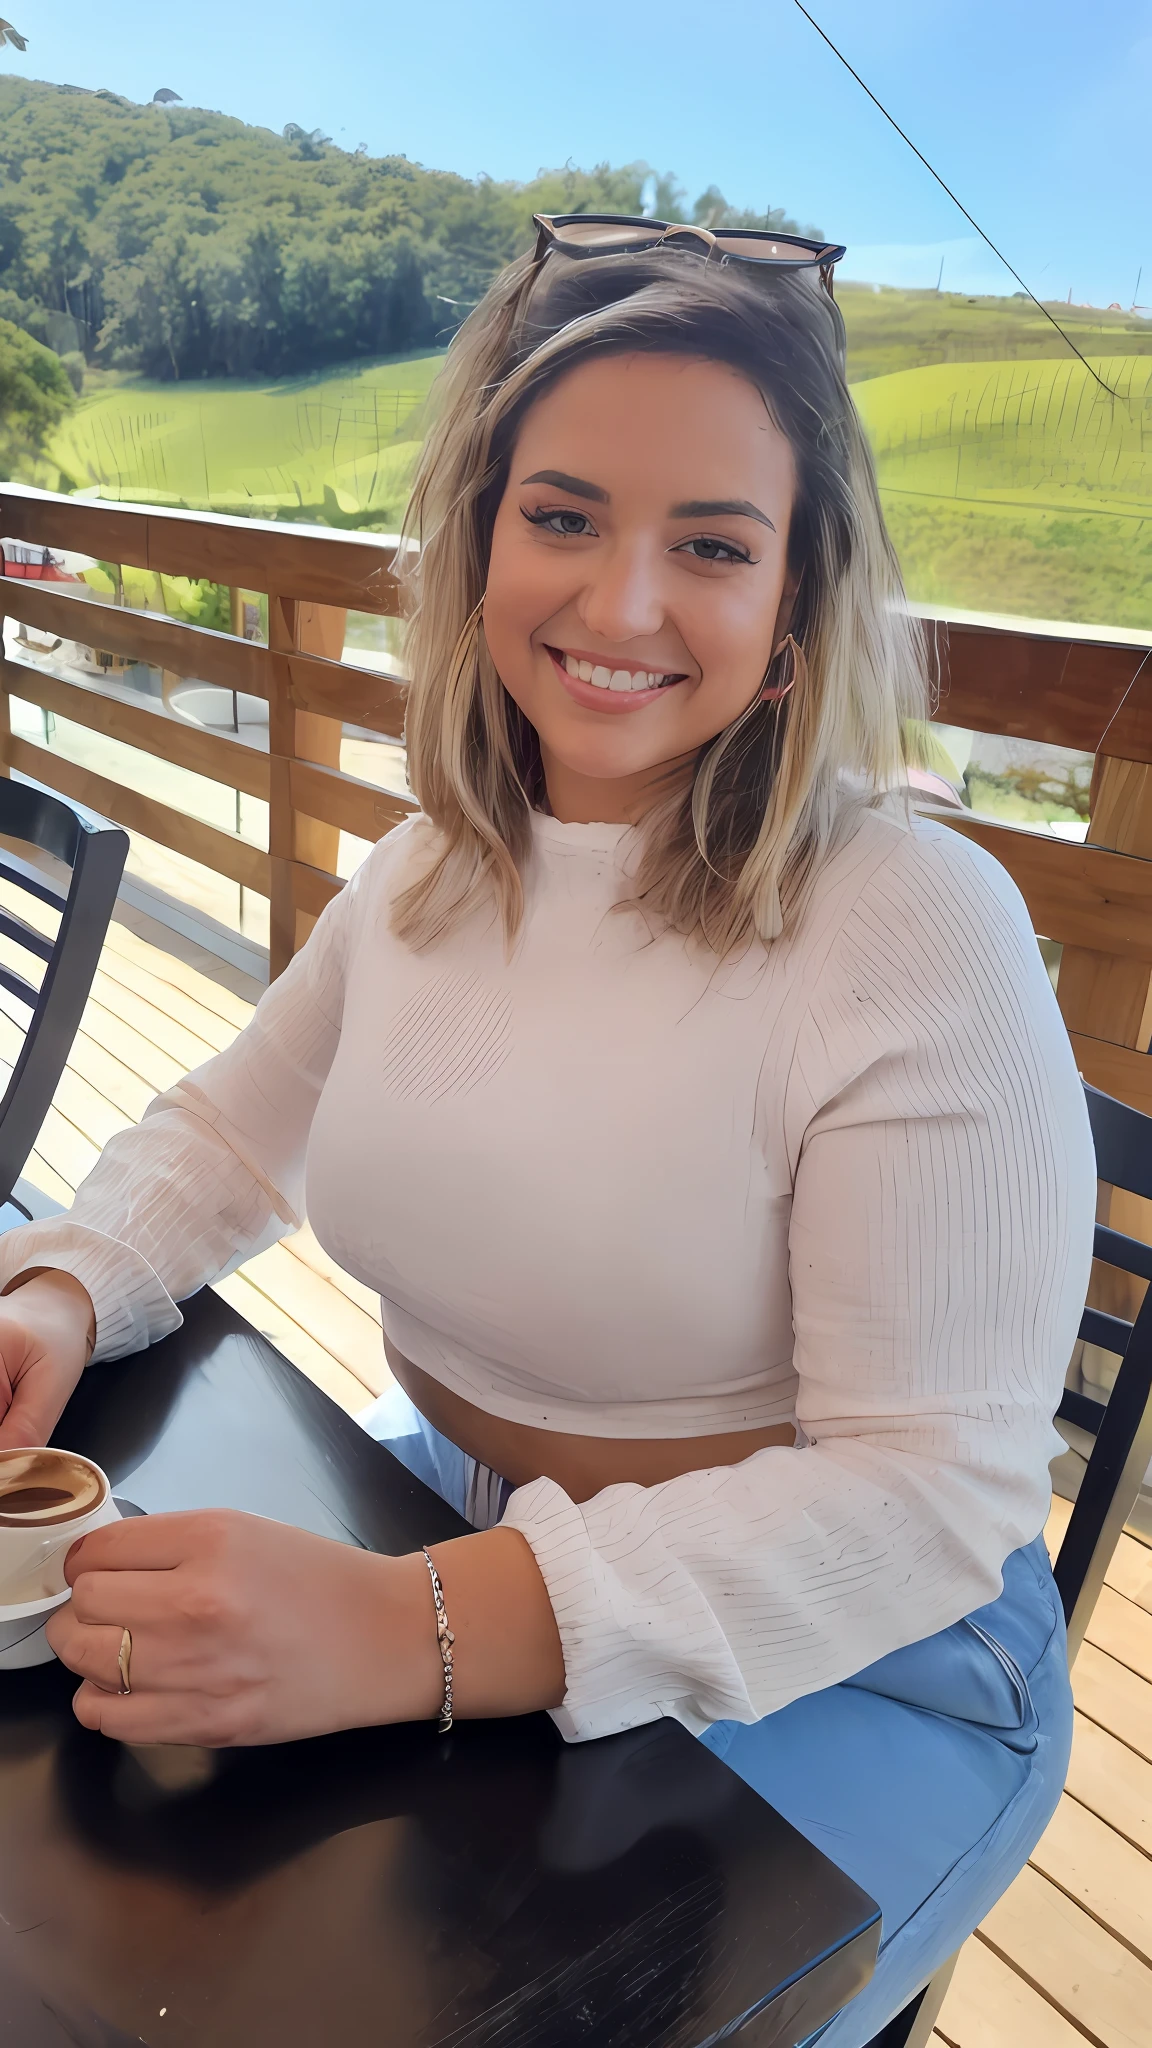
603, 678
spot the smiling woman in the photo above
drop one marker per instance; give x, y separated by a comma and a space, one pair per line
585, 572
705, 1122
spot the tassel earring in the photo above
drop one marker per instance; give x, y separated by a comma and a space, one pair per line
791, 652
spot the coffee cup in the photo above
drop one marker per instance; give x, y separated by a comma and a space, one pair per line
48, 1500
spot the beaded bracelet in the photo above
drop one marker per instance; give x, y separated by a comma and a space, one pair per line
444, 1642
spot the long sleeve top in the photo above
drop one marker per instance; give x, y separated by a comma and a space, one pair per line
608, 1185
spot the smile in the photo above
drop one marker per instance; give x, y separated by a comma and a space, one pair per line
617, 688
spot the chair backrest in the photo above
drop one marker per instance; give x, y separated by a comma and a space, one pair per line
1122, 1426
95, 852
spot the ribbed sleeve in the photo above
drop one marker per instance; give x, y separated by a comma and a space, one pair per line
939, 1249
214, 1172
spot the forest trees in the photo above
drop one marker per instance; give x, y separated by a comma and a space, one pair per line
35, 393
185, 244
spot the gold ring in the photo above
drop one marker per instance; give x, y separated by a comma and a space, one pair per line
124, 1660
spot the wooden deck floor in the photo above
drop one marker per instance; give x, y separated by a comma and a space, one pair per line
1066, 1957
151, 1017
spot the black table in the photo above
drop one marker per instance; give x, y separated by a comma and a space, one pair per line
492, 1889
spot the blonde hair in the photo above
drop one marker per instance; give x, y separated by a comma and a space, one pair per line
769, 790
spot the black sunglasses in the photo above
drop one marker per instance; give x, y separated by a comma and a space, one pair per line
621, 234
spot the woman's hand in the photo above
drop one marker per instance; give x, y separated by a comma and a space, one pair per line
245, 1630
46, 1331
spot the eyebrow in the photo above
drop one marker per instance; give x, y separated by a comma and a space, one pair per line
716, 508
692, 508
578, 486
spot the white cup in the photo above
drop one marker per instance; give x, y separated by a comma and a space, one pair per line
34, 1545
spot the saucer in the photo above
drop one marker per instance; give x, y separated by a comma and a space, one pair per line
22, 1638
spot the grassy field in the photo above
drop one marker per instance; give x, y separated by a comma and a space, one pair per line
337, 448
1011, 482
1020, 486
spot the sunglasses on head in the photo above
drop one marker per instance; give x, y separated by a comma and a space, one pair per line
621, 234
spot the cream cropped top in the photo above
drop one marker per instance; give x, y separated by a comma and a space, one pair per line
610, 1186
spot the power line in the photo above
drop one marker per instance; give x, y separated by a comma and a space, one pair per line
999, 253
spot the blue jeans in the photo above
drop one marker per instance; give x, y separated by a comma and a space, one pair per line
929, 1777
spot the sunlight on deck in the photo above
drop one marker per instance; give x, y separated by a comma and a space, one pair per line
1066, 1956
153, 1015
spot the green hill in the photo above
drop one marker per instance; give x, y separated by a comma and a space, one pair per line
338, 449
1020, 486
899, 330
1014, 486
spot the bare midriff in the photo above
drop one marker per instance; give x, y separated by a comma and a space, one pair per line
582, 1465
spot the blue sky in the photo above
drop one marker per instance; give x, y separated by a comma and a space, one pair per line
1038, 112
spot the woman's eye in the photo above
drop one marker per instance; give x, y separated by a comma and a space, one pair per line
564, 521
706, 549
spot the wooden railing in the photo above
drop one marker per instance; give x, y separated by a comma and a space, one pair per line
312, 577
1092, 693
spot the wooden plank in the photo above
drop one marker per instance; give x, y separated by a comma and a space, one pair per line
88, 1110
293, 629
312, 891
324, 1312
1106, 1876
988, 2006
1114, 1697
313, 562
111, 1076
1130, 1572
267, 1316
46, 1178
152, 1022
126, 1042
1099, 995
337, 690
169, 970
1112, 1781
1130, 1568
1079, 895
1095, 1981
345, 801
217, 1031
138, 635
66, 1149
1034, 686
1124, 1631
1115, 1069
303, 1245
220, 851
187, 746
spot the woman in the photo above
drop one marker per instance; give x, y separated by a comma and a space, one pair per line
706, 1124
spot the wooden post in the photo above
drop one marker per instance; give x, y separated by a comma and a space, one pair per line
1105, 997
297, 628
1101, 995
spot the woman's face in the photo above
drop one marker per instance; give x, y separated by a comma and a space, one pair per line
639, 579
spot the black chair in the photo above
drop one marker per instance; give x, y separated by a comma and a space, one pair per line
1122, 1428
94, 851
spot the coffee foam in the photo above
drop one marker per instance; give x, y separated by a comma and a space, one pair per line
40, 1488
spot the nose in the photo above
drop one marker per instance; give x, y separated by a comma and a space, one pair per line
623, 596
